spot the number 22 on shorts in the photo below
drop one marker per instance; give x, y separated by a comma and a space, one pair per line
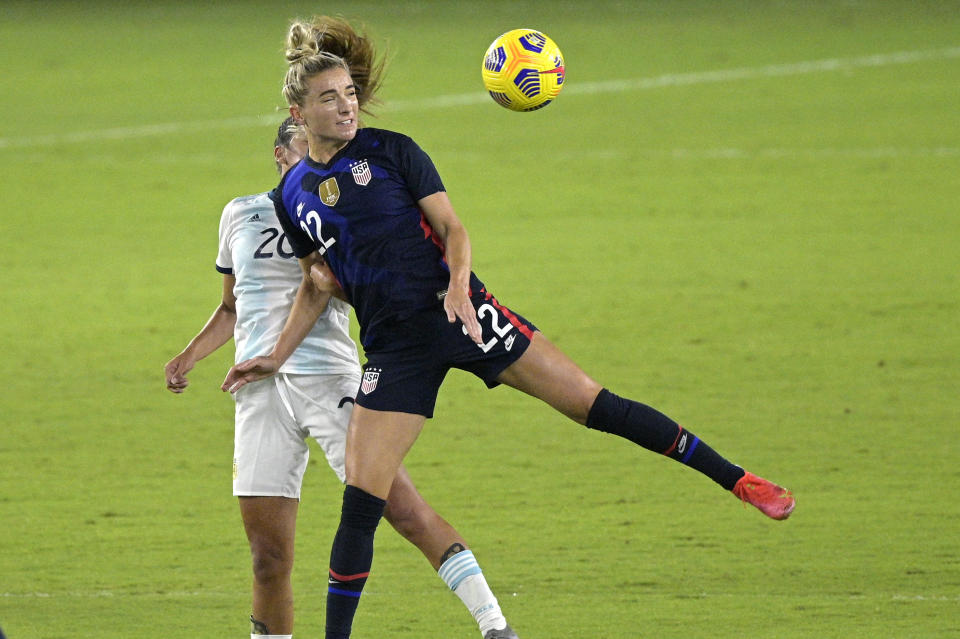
501, 331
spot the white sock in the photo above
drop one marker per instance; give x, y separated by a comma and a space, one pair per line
463, 576
271, 636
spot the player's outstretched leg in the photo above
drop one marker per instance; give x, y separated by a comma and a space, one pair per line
545, 372
656, 432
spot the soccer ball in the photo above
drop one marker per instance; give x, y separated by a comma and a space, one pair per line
523, 70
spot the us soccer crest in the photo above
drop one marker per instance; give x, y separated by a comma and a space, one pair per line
361, 172
370, 378
329, 191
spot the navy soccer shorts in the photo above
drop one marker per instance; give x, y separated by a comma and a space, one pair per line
406, 376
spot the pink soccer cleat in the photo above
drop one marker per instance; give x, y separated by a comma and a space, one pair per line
773, 501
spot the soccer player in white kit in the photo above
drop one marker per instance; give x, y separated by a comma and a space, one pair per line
312, 396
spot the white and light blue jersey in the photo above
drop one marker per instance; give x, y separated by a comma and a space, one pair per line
256, 251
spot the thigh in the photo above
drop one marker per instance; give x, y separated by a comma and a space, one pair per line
270, 455
546, 373
322, 405
377, 442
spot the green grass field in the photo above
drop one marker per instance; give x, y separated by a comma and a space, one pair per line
743, 213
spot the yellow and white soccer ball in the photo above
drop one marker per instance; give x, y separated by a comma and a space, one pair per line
523, 70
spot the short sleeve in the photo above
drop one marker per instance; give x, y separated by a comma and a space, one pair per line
224, 262
301, 243
419, 171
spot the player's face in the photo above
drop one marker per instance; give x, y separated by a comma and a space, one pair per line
329, 112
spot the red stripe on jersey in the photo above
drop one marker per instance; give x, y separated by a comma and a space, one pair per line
430, 235
523, 328
359, 575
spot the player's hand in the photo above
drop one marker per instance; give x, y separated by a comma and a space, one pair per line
176, 373
457, 305
247, 371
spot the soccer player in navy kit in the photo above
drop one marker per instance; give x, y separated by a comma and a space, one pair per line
311, 397
368, 216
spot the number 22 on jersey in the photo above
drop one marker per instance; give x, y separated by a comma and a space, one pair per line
310, 223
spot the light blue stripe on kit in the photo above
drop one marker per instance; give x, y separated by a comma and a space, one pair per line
345, 593
459, 567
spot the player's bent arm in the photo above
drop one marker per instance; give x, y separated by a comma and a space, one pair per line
456, 243
447, 226
308, 304
216, 332
325, 281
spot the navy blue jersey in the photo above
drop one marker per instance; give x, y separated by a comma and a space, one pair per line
360, 211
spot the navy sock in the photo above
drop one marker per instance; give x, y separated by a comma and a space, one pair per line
351, 558
656, 432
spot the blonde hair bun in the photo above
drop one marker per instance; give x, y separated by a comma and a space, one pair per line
324, 43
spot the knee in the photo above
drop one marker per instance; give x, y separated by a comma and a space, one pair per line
272, 561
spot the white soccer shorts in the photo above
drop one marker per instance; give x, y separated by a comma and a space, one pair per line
274, 417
